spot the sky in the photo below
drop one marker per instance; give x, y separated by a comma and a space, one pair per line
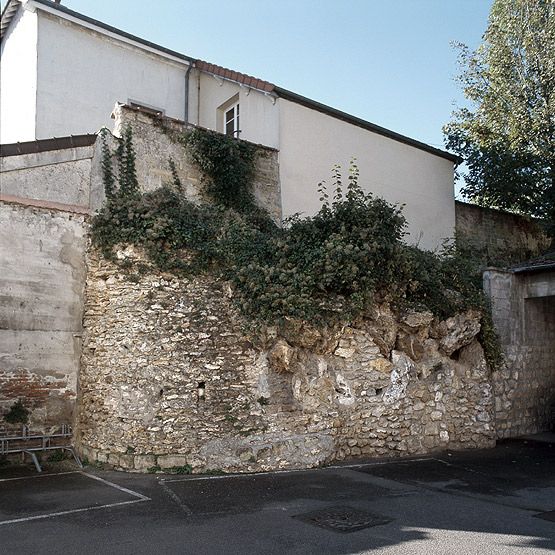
386, 61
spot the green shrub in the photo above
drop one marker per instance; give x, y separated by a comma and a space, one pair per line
17, 414
325, 268
322, 267
185, 469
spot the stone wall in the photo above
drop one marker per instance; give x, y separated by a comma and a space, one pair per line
523, 307
41, 292
155, 141
45, 198
170, 376
499, 234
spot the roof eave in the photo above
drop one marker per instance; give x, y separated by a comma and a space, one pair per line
8, 13
45, 145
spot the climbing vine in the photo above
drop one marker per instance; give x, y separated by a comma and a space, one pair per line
325, 268
227, 165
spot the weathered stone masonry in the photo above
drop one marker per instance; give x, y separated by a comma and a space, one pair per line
46, 195
155, 142
169, 377
524, 315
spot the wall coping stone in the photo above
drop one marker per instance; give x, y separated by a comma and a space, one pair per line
46, 204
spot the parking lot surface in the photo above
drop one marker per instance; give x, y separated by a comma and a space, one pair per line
495, 501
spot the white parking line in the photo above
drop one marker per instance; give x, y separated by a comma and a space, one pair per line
84, 509
139, 498
121, 488
38, 476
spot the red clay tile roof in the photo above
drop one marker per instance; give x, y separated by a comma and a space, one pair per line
247, 80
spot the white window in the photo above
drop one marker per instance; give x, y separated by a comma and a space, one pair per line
231, 120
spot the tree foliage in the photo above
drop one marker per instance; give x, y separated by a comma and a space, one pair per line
507, 135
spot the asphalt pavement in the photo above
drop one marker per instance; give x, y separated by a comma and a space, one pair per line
496, 501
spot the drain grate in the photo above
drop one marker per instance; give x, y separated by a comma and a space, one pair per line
549, 515
343, 519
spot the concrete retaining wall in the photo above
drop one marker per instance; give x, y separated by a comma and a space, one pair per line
41, 291
56, 175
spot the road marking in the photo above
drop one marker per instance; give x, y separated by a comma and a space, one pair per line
140, 498
121, 488
38, 476
60, 513
176, 499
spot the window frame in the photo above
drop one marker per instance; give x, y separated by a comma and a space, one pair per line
235, 119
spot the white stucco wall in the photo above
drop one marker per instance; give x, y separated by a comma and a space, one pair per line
62, 176
18, 79
312, 142
82, 74
259, 113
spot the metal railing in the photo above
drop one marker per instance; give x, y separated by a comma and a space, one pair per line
28, 442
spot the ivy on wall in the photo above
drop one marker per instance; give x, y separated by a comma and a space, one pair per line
227, 164
326, 268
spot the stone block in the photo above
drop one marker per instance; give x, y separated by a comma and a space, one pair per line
170, 461
144, 462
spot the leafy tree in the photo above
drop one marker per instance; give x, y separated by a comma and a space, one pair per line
507, 137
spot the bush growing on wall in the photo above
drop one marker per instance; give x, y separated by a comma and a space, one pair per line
328, 267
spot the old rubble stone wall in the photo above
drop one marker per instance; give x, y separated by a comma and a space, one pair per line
499, 233
170, 377
523, 308
42, 279
155, 141
45, 198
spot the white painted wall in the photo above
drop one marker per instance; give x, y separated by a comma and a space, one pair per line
18, 79
55, 175
259, 114
312, 142
82, 74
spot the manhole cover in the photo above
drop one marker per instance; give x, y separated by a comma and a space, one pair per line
549, 515
343, 519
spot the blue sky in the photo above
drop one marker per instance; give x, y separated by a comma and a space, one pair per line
387, 61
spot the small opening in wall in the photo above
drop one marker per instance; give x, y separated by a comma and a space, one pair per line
379, 390
161, 392
201, 391
437, 367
